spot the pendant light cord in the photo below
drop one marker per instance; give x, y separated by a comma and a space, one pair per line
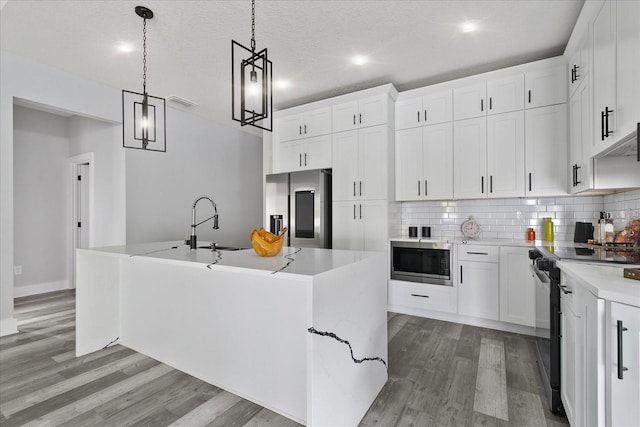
253, 26
144, 56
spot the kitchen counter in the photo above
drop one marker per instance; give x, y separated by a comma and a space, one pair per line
489, 242
303, 333
605, 280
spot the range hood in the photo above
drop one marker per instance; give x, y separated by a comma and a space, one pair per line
627, 146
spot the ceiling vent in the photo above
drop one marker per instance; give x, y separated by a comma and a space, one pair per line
180, 100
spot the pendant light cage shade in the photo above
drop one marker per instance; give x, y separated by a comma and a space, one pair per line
140, 130
252, 82
143, 116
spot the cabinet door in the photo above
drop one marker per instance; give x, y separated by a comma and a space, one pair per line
409, 163
546, 151
289, 156
317, 153
603, 74
470, 158
437, 107
317, 122
373, 152
345, 116
437, 161
409, 113
469, 101
593, 372
579, 64
628, 67
568, 360
505, 95
346, 226
580, 139
288, 128
505, 154
622, 403
345, 165
373, 111
545, 87
373, 216
517, 287
478, 289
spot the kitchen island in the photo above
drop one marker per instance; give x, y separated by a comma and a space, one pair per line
303, 333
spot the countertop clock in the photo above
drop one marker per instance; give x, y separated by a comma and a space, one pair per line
470, 228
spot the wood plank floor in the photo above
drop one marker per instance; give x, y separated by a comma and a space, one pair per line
440, 374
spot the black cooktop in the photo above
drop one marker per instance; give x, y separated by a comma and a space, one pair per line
617, 254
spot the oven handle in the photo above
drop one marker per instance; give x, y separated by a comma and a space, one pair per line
541, 277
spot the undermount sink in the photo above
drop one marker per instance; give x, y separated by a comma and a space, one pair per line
222, 248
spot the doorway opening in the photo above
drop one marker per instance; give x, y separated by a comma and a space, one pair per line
82, 202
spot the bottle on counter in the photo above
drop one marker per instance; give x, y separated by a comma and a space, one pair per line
601, 228
531, 234
548, 230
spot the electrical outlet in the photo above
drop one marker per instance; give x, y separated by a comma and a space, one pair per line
17, 270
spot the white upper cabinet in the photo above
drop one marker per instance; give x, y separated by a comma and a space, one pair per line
580, 63
505, 154
424, 163
546, 151
470, 157
303, 125
604, 74
308, 153
628, 67
365, 112
505, 95
424, 110
545, 87
580, 138
469, 101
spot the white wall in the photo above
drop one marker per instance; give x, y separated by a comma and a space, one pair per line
41, 200
202, 158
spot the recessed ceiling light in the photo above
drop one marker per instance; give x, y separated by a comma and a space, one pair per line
124, 47
281, 84
359, 60
469, 27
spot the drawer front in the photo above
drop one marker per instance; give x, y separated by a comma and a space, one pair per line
569, 293
478, 253
421, 296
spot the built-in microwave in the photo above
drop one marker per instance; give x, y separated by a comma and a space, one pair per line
422, 262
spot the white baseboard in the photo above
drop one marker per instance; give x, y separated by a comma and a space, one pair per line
40, 288
8, 326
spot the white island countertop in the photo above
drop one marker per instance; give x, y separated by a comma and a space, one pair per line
605, 281
291, 260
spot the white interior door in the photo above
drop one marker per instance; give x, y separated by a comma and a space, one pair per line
83, 206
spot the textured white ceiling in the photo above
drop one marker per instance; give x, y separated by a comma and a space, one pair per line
409, 43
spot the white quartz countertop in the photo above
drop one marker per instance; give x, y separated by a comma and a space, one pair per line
605, 281
297, 261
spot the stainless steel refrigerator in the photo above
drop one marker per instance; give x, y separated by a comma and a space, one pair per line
300, 201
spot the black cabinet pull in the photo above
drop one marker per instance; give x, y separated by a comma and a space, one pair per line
572, 74
300, 129
564, 289
460, 274
418, 116
300, 159
425, 187
354, 189
529, 96
305, 129
490, 103
482, 184
621, 367
360, 118
490, 183
361, 211
607, 113
354, 119
425, 115
482, 105
478, 253
602, 125
577, 181
361, 188
418, 187
529, 181
354, 211
305, 159
573, 176
421, 296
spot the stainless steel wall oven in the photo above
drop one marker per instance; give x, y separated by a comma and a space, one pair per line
422, 262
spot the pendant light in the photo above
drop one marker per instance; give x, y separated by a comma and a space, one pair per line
143, 115
251, 82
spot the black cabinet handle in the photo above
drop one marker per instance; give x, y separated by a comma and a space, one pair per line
421, 296
621, 367
300, 129
482, 105
490, 103
573, 70
354, 119
478, 253
418, 116
305, 159
300, 159
482, 184
577, 181
418, 187
529, 181
425, 115
602, 126
425, 187
360, 118
564, 289
361, 211
607, 113
361, 188
354, 189
305, 129
354, 211
460, 274
490, 183
529, 96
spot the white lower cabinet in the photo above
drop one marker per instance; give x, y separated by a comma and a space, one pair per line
423, 296
478, 281
593, 360
570, 356
360, 225
517, 287
623, 365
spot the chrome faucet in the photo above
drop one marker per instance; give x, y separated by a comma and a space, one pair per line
193, 242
